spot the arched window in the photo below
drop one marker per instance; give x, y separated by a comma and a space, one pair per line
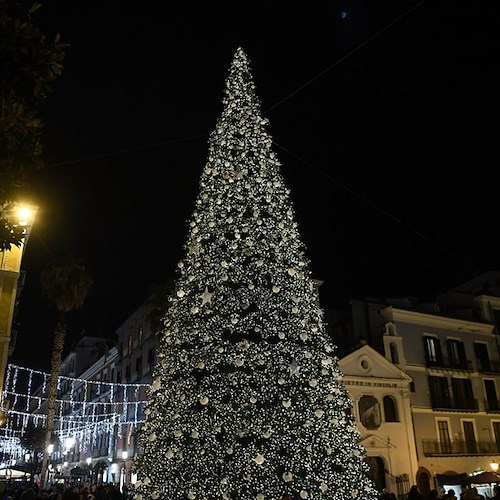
394, 352
390, 409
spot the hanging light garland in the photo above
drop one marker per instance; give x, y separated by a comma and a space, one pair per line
85, 409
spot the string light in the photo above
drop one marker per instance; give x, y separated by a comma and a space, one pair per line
77, 418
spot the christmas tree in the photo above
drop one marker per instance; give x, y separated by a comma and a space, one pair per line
246, 400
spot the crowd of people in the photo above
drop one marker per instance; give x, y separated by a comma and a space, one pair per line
466, 493
80, 491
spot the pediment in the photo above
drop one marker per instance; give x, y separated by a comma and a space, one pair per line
367, 362
373, 441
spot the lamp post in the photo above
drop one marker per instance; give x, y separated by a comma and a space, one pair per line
89, 465
124, 469
50, 450
27, 459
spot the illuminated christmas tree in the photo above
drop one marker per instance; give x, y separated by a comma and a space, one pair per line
246, 400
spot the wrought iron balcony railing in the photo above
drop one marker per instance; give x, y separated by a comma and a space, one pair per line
450, 364
435, 448
443, 403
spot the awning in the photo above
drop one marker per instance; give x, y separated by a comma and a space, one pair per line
9, 473
487, 477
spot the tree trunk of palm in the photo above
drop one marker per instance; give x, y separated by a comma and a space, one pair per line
55, 366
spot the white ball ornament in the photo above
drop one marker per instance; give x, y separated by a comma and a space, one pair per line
229, 450
201, 365
281, 335
313, 382
267, 434
303, 336
178, 432
147, 481
287, 477
259, 459
319, 413
324, 487
260, 496
253, 399
276, 288
286, 403
169, 453
152, 437
195, 434
204, 400
238, 362
155, 495
180, 293
281, 381
303, 494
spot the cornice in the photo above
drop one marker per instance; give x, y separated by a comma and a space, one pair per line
426, 319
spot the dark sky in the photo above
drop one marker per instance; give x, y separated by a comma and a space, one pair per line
384, 116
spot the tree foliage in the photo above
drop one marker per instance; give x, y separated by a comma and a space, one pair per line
29, 64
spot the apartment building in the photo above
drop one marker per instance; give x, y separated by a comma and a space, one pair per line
450, 350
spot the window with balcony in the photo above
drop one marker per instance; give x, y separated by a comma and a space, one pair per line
469, 436
496, 433
440, 392
456, 354
491, 395
433, 354
443, 436
463, 396
482, 356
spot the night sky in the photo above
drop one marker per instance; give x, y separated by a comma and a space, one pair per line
384, 117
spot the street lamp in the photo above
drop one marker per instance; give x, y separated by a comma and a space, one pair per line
27, 458
50, 449
124, 469
89, 462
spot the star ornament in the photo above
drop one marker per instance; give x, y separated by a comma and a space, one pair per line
294, 368
206, 297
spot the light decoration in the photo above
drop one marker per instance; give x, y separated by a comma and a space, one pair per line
106, 408
248, 401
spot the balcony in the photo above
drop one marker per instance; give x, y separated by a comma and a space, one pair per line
442, 403
435, 448
487, 366
450, 364
492, 405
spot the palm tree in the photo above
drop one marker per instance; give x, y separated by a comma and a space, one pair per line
65, 285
